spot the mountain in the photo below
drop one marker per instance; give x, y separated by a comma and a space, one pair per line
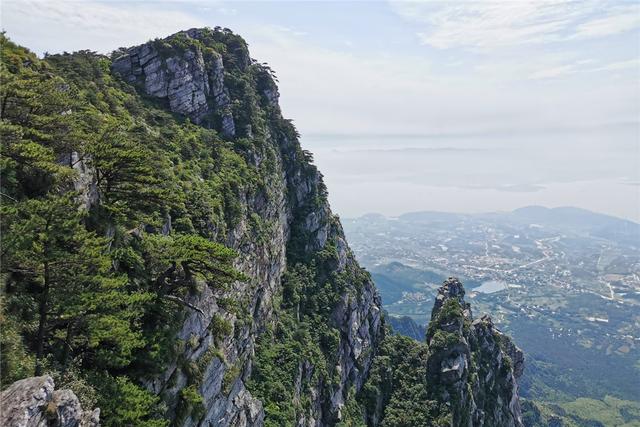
404, 325
596, 224
169, 256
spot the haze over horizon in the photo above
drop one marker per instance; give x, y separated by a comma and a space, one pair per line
481, 213
421, 106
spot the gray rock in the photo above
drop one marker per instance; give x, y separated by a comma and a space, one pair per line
453, 368
451, 289
33, 402
196, 88
192, 87
474, 370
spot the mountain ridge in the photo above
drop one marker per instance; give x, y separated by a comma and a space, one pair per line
523, 211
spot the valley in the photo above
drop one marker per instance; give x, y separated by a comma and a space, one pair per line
564, 282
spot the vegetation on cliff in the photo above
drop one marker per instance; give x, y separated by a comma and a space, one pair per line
93, 287
118, 214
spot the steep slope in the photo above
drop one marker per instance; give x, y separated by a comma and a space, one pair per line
257, 194
405, 325
187, 260
187, 72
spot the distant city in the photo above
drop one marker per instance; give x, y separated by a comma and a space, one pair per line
564, 282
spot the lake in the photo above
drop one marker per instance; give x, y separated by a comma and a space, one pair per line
491, 286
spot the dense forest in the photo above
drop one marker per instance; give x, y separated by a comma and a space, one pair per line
94, 287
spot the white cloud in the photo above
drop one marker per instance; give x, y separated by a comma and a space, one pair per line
348, 92
562, 70
485, 25
623, 20
621, 65
107, 25
540, 92
581, 67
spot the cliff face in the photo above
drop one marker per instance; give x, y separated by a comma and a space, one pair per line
464, 375
190, 84
405, 325
186, 72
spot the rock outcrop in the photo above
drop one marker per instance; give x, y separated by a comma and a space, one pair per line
33, 402
189, 79
472, 364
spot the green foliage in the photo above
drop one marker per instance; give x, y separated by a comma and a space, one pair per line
51, 258
230, 305
302, 338
94, 294
16, 362
220, 327
133, 406
129, 176
189, 256
398, 383
191, 403
230, 375
442, 340
450, 311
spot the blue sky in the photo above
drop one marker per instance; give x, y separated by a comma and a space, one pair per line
547, 92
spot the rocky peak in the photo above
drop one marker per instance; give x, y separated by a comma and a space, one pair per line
208, 76
472, 364
185, 71
33, 402
452, 288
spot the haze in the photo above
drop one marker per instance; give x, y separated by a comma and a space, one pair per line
421, 106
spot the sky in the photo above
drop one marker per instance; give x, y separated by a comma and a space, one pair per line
450, 106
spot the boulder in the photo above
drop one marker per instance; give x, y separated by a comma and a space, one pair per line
33, 402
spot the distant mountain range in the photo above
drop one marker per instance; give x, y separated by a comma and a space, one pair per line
579, 220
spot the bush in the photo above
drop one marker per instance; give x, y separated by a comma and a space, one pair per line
220, 327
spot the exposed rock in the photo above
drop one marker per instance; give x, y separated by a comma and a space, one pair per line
33, 402
451, 289
191, 86
453, 368
474, 362
475, 365
405, 325
84, 183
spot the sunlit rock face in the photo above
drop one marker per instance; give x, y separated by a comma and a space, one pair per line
188, 74
192, 85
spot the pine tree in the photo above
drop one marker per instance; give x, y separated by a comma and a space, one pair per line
65, 269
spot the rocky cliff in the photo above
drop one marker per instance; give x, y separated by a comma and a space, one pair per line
471, 363
463, 375
190, 80
405, 325
190, 71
